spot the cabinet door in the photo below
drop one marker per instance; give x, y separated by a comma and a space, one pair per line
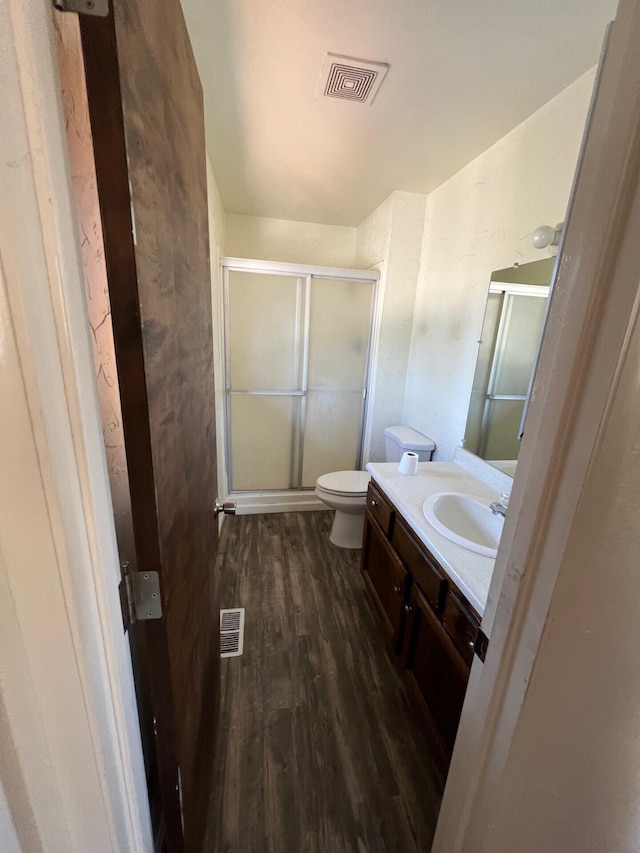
461, 626
386, 579
422, 568
435, 674
380, 509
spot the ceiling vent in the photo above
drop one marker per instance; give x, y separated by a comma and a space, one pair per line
351, 79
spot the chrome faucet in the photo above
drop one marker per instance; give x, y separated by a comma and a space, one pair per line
500, 507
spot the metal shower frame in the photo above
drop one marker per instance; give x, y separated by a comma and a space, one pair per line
304, 273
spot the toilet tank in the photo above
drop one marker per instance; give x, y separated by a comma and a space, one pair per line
399, 439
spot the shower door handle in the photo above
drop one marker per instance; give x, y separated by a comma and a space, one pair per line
228, 507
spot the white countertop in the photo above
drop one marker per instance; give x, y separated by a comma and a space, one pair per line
469, 571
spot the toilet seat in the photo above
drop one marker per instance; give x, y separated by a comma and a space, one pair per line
349, 484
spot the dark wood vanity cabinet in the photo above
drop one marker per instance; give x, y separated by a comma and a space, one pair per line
435, 675
427, 622
386, 579
424, 570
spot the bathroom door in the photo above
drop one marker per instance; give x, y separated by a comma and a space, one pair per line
145, 107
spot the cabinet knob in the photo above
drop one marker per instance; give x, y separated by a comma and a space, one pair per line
374, 502
397, 590
472, 644
408, 608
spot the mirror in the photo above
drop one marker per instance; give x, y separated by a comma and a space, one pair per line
507, 350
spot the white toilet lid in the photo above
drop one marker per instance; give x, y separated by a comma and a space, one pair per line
348, 483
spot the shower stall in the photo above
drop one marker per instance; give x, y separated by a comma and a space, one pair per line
297, 350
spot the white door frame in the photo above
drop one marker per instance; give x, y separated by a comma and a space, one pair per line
75, 779
592, 312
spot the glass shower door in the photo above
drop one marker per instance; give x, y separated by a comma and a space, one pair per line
297, 355
263, 379
339, 328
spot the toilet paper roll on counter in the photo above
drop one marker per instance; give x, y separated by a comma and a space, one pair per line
408, 463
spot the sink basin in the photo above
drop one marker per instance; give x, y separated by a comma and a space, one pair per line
465, 520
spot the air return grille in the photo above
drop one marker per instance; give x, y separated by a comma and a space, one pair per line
231, 632
351, 79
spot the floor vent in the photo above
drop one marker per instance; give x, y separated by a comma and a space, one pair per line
231, 632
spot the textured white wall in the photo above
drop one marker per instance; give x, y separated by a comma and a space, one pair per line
478, 221
9, 841
372, 242
217, 232
289, 242
390, 239
217, 218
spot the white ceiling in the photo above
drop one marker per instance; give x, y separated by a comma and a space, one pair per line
463, 73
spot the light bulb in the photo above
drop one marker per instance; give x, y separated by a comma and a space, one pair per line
545, 235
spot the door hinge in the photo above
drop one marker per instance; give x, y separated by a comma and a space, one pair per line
481, 644
99, 8
139, 596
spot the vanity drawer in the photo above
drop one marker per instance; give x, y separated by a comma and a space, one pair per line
424, 572
379, 508
460, 625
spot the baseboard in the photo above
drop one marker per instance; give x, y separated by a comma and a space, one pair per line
256, 502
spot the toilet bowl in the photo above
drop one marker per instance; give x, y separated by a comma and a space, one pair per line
346, 492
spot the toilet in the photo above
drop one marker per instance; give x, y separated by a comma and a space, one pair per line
346, 491
400, 439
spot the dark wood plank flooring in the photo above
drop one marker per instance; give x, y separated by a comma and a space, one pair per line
318, 750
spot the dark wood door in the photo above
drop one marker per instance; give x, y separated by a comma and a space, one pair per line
145, 106
386, 579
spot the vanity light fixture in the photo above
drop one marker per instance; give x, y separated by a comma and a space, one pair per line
547, 235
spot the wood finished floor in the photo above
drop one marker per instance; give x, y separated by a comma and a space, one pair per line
318, 751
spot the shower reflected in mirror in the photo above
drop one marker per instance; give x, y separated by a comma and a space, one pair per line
513, 322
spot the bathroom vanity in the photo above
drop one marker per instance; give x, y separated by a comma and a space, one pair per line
429, 592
